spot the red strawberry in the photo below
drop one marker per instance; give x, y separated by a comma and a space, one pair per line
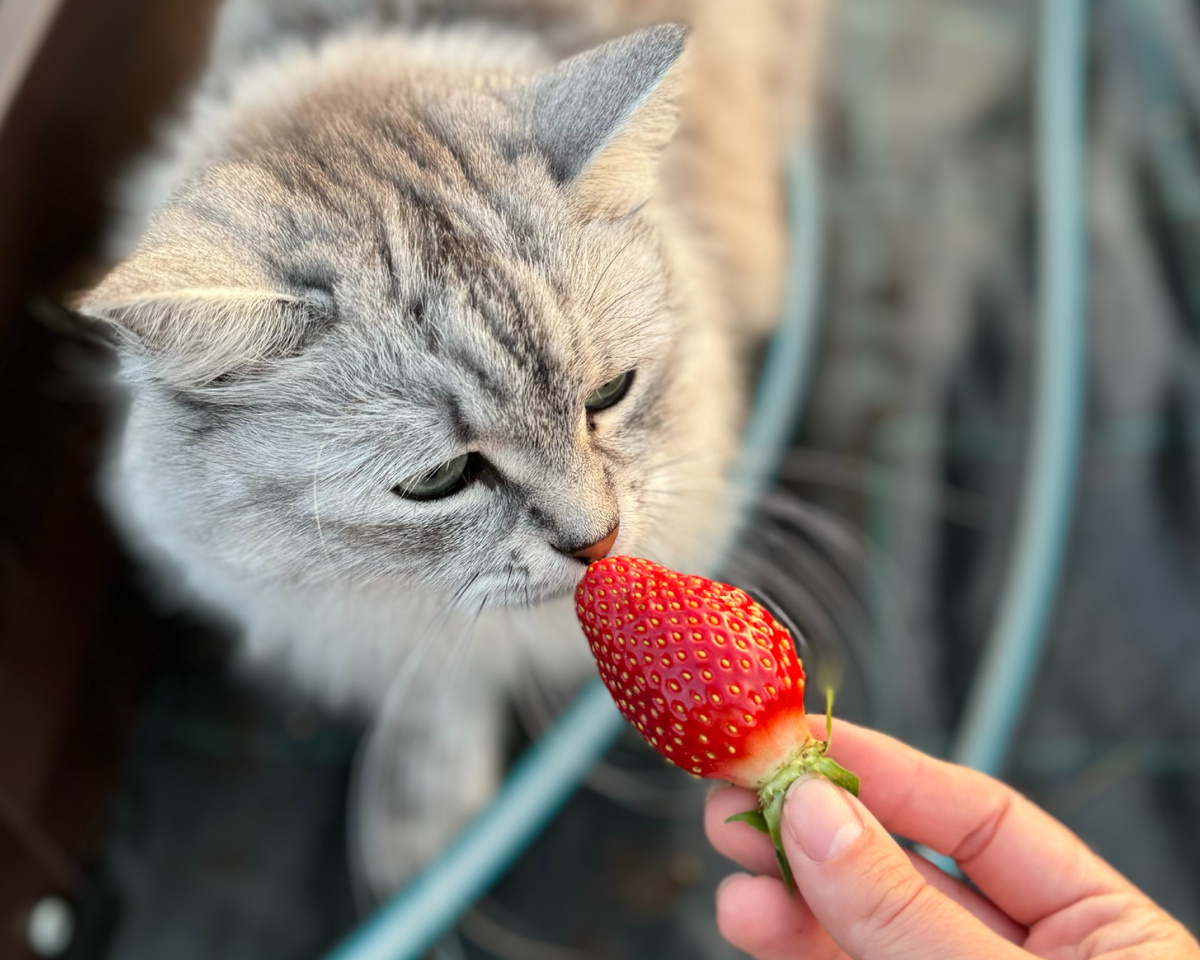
708, 677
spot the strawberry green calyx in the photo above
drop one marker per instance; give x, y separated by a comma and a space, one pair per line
809, 759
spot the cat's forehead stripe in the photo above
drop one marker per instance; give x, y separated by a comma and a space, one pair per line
432, 241
431, 184
482, 375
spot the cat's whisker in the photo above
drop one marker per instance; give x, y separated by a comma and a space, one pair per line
656, 466
450, 674
457, 659
317, 508
829, 469
620, 299
411, 666
678, 490
591, 297
508, 581
662, 536
459, 594
671, 479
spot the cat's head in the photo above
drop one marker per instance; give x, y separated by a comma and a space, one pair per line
422, 326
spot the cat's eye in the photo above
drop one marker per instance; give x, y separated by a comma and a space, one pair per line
449, 478
610, 393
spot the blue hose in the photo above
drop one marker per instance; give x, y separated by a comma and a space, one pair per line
553, 768
1010, 658
788, 370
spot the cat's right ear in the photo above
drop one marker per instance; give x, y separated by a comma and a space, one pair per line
197, 302
603, 117
192, 316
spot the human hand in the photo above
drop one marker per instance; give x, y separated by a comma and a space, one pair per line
1043, 893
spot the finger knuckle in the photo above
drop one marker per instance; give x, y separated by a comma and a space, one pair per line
896, 893
979, 840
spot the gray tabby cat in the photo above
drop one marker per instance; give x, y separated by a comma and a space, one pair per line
422, 315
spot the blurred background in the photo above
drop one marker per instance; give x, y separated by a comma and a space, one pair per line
153, 806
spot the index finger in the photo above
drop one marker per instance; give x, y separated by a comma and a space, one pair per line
1024, 861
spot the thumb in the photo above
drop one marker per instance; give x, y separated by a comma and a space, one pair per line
862, 888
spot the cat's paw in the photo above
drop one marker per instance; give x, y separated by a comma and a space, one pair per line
395, 847
418, 783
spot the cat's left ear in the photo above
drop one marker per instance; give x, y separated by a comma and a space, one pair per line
603, 117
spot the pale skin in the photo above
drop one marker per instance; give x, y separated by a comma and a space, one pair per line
1041, 891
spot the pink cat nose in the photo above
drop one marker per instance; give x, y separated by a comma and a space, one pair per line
599, 549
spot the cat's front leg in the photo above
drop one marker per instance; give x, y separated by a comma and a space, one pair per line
433, 758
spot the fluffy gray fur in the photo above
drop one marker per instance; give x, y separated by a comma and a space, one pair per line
372, 252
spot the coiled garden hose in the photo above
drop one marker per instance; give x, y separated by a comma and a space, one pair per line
1005, 674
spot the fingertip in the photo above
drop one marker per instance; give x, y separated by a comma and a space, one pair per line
732, 892
716, 788
820, 820
726, 797
721, 804
737, 894
740, 842
732, 879
759, 916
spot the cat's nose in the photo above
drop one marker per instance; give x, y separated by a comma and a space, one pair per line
597, 550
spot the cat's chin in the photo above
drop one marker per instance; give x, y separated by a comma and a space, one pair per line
535, 596
548, 596
503, 593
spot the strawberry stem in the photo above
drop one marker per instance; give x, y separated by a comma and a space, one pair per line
809, 759
773, 814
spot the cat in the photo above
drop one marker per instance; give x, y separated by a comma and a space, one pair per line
422, 305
